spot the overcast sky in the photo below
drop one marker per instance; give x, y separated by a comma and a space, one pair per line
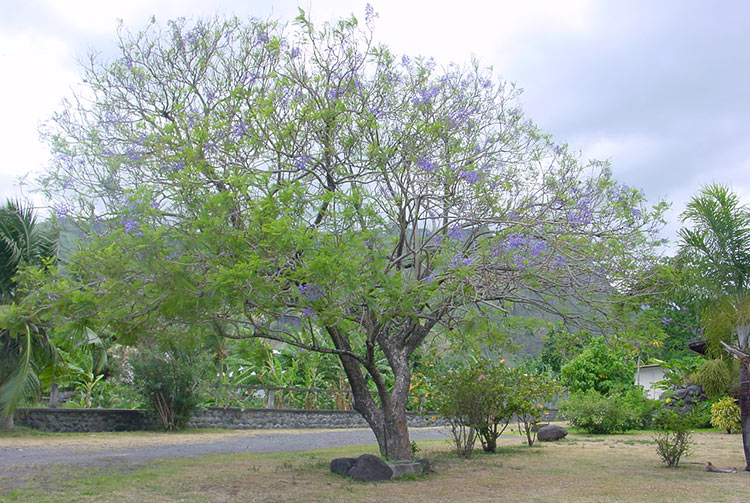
660, 88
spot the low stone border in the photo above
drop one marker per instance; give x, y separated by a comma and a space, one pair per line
94, 420
84, 420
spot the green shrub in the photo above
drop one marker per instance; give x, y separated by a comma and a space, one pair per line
531, 392
715, 377
725, 414
169, 380
594, 412
642, 407
598, 367
675, 439
700, 416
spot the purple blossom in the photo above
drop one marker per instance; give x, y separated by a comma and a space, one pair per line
635, 212
311, 291
175, 166
294, 53
239, 130
515, 240
470, 176
666, 321
425, 96
428, 279
458, 233
154, 204
583, 213
307, 312
370, 13
519, 262
559, 261
61, 212
461, 260
375, 111
538, 248
425, 164
405, 60
131, 226
302, 162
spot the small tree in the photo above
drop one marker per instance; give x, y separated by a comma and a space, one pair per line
530, 395
169, 380
676, 440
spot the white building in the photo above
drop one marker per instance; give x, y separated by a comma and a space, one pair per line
646, 376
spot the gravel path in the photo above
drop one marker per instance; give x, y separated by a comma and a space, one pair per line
25, 458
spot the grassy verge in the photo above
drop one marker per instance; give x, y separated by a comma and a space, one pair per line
609, 468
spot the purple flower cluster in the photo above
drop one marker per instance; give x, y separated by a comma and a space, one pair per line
461, 260
425, 96
61, 212
458, 233
311, 291
302, 162
583, 213
470, 176
131, 226
425, 164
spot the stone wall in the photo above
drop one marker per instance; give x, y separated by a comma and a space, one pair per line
92, 420
232, 418
84, 420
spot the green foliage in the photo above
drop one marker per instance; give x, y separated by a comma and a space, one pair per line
475, 400
561, 346
599, 367
700, 416
671, 446
168, 380
530, 395
675, 438
716, 378
25, 348
725, 414
236, 173
594, 412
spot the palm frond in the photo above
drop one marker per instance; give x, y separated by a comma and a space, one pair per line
22, 382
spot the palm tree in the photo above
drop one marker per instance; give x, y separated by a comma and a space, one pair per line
720, 242
24, 345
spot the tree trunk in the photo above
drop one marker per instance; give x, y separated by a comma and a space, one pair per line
387, 420
7, 422
745, 411
53, 395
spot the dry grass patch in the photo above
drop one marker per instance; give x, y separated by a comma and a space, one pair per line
582, 469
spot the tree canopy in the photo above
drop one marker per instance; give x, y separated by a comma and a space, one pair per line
305, 184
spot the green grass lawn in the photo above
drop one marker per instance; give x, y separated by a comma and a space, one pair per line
583, 468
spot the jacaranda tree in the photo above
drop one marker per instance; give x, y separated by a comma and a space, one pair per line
240, 175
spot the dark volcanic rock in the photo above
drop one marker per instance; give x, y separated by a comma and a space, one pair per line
342, 465
551, 432
370, 468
